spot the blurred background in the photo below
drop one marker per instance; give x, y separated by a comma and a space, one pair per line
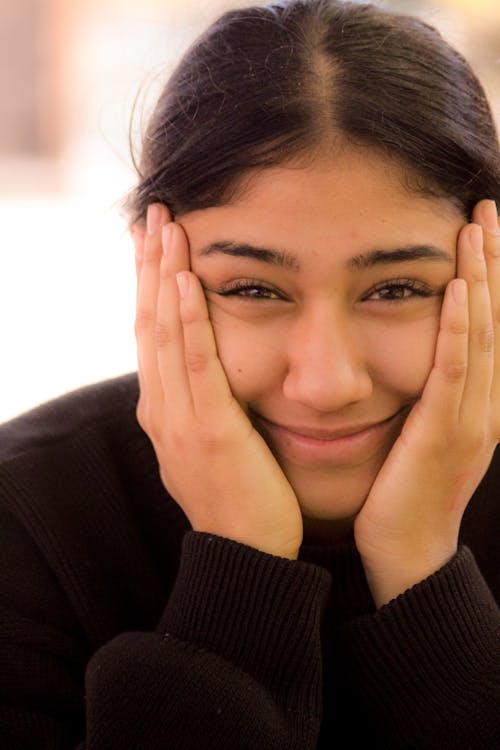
70, 74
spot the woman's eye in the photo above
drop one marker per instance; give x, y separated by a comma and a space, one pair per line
248, 290
399, 291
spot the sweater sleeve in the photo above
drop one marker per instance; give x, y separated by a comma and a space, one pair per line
428, 663
118, 629
235, 661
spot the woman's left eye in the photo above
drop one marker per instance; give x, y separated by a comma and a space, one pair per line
399, 290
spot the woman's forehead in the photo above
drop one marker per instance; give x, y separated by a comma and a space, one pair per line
352, 187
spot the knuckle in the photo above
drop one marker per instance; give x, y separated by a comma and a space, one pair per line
163, 336
486, 340
458, 327
164, 271
454, 372
479, 276
196, 362
143, 321
190, 316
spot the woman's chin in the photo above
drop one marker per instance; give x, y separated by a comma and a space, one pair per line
334, 498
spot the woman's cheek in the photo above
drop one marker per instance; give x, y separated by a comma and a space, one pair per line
401, 357
249, 355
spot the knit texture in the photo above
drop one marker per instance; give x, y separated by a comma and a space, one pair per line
120, 627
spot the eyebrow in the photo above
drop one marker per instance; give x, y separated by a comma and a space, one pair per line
265, 255
369, 259
401, 254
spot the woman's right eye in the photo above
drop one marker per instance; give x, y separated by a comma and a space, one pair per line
249, 290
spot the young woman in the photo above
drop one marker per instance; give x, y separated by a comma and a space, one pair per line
299, 543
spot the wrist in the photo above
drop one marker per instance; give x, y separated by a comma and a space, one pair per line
390, 580
271, 545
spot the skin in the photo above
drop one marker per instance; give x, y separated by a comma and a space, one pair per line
322, 349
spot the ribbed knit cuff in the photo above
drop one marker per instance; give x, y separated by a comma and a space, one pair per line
259, 612
428, 657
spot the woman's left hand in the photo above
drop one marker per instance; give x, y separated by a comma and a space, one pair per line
409, 524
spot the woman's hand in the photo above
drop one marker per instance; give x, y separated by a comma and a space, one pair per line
212, 461
409, 524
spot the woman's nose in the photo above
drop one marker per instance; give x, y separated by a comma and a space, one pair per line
326, 364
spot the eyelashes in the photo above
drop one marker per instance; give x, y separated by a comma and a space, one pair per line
249, 289
390, 291
398, 290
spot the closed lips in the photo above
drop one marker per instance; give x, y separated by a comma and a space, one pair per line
327, 435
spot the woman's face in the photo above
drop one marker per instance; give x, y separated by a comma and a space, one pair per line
324, 286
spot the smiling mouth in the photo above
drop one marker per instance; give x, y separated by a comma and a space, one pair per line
327, 435
343, 446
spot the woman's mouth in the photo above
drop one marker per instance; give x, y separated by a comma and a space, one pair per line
343, 445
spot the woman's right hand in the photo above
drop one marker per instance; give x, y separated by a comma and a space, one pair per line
212, 461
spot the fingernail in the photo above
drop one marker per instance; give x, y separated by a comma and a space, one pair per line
166, 237
459, 291
490, 217
476, 240
153, 219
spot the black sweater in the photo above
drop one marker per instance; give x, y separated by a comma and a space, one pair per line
122, 628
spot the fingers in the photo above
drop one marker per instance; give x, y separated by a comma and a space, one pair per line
147, 294
485, 214
443, 395
176, 347
169, 336
209, 386
463, 379
472, 267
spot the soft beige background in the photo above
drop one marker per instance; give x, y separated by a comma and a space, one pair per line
70, 71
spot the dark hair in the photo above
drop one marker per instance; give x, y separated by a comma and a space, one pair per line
264, 85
